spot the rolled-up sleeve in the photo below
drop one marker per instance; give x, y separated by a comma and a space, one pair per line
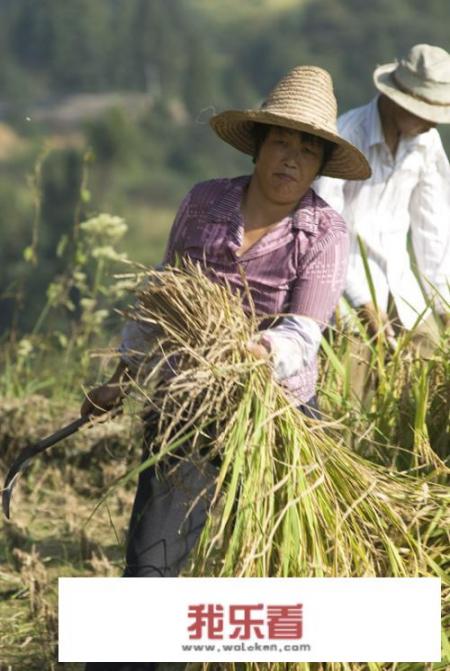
138, 339
293, 344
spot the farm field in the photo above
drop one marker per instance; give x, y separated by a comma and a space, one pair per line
104, 127
63, 524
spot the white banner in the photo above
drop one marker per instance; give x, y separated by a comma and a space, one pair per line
249, 619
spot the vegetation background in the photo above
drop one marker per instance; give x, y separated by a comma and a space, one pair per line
104, 108
135, 81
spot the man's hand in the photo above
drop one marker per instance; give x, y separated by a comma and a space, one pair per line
107, 396
445, 318
376, 321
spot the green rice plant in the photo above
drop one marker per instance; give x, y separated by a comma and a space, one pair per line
291, 497
406, 423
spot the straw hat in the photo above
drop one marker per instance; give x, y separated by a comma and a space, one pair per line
420, 83
302, 100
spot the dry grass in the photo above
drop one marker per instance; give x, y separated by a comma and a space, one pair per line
52, 533
322, 508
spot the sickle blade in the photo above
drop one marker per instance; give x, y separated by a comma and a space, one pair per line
29, 453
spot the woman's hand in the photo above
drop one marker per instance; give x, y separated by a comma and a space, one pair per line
107, 396
260, 349
101, 399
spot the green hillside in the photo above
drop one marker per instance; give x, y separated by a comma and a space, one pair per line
229, 11
169, 66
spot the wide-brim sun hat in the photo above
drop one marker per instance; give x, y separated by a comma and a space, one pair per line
420, 83
303, 100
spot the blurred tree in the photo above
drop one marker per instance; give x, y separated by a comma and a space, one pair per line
15, 216
69, 41
351, 37
82, 42
191, 62
112, 137
198, 84
59, 192
156, 52
61, 179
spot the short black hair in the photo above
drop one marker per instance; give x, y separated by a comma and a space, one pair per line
261, 131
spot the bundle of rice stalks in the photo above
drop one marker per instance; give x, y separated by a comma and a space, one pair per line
291, 499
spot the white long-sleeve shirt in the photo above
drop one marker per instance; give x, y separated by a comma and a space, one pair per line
407, 196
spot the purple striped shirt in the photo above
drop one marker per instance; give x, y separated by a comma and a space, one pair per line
298, 267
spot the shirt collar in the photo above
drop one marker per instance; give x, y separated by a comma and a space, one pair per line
421, 140
228, 206
229, 199
375, 129
304, 215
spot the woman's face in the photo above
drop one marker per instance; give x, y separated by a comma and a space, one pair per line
287, 164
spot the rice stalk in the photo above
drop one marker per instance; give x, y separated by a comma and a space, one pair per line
291, 498
405, 424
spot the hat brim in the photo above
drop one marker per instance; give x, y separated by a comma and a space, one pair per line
236, 128
385, 83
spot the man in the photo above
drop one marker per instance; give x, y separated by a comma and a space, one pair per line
408, 195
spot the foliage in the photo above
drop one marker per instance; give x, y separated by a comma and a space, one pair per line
111, 137
189, 61
203, 57
79, 304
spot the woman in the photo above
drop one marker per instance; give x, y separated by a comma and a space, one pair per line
293, 250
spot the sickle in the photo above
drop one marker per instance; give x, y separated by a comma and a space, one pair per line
28, 453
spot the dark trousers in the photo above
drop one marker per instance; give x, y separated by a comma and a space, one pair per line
164, 528
165, 525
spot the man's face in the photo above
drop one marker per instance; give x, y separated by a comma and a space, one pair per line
409, 124
286, 165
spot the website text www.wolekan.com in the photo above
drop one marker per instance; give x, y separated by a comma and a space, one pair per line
246, 647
